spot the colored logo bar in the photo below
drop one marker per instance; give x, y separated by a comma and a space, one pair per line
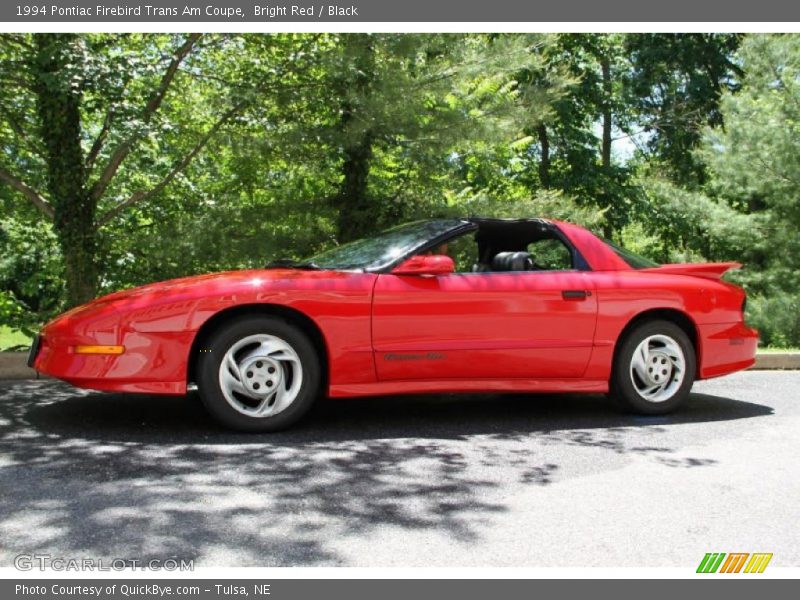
734, 562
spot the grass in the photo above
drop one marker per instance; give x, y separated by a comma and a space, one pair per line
11, 338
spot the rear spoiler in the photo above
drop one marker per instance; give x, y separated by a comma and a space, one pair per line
706, 270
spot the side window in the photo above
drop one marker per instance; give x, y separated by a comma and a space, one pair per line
464, 251
550, 255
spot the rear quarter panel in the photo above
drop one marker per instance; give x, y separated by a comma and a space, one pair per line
713, 307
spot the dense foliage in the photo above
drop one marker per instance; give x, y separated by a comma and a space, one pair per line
126, 159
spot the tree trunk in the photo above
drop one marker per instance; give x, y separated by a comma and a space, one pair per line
58, 107
355, 218
356, 215
544, 163
605, 64
605, 148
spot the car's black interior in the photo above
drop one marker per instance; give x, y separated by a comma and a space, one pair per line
521, 245
510, 261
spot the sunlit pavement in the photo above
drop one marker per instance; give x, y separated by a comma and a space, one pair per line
439, 480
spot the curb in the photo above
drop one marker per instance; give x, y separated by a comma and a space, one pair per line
13, 364
776, 361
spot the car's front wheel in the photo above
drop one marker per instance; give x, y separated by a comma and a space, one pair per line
258, 373
654, 368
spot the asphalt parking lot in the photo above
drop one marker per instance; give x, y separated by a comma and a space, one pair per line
416, 481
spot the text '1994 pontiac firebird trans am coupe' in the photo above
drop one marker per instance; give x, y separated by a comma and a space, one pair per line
443, 305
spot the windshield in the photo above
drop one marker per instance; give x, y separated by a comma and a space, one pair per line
385, 247
634, 260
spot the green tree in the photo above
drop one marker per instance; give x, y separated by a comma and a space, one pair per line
54, 75
115, 121
416, 106
754, 164
673, 86
574, 139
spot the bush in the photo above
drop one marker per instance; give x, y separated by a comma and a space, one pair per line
777, 319
31, 275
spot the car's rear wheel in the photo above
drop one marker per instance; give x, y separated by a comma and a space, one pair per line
258, 373
654, 368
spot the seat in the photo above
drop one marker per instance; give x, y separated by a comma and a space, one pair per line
512, 261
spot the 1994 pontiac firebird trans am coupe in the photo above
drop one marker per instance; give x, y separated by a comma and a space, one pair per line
448, 305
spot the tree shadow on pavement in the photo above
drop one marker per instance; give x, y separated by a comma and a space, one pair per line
91, 474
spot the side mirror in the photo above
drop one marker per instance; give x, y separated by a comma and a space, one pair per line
426, 264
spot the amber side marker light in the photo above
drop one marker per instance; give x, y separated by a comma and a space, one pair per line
99, 349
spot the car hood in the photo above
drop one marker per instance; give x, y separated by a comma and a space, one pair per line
191, 288
225, 281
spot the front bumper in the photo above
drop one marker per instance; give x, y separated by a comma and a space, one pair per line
152, 363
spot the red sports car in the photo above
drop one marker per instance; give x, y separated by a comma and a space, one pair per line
447, 305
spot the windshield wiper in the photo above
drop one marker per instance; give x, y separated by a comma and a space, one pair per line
288, 263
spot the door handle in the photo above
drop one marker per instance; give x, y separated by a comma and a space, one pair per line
575, 294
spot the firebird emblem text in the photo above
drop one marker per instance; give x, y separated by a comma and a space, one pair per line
426, 356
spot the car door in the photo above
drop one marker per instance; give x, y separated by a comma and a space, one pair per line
497, 325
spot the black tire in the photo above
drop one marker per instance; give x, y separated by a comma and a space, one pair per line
622, 389
223, 339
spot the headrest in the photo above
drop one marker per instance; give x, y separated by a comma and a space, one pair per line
512, 261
